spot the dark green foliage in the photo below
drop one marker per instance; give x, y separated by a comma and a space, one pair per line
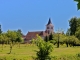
78, 4
19, 32
45, 48
18, 39
46, 38
58, 41
77, 34
51, 36
68, 32
73, 25
78, 54
0, 29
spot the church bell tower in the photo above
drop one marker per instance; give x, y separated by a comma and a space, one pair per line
49, 27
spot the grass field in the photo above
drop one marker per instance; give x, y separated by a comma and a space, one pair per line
27, 51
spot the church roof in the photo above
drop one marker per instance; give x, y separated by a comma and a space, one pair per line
49, 22
31, 35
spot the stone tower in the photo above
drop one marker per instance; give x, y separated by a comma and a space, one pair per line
49, 27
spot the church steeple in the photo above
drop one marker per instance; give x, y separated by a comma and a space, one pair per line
49, 22
49, 27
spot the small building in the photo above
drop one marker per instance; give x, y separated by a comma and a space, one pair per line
32, 35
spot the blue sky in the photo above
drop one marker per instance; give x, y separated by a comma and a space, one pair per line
33, 15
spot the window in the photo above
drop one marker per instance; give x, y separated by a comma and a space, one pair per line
51, 27
47, 27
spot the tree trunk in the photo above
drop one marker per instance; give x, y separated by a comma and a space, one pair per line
10, 48
19, 45
2, 46
67, 44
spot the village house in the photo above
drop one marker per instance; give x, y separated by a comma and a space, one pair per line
32, 35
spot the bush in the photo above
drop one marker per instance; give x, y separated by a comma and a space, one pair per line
45, 48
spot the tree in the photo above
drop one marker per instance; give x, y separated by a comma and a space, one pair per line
77, 34
19, 37
78, 4
51, 37
46, 38
73, 25
68, 32
73, 41
12, 35
74, 29
0, 29
45, 48
19, 40
3, 39
19, 32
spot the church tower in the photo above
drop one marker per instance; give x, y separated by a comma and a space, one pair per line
49, 27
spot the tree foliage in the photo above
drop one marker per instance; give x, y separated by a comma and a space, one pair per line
77, 34
73, 25
19, 32
74, 29
45, 48
0, 29
12, 36
51, 36
78, 4
46, 38
3, 39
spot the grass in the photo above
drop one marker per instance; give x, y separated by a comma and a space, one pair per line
27, 51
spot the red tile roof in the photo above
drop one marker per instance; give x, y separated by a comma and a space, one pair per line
31, 35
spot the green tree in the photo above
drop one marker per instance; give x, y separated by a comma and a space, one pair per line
68, 32
45, 48
74, 29
77, 34
55, 39
19, 37
78, 4
19, 40
73, 25
12, 35
73, 41
19, 32
67, 40
3, 39
46, 38
51, 36
0, 29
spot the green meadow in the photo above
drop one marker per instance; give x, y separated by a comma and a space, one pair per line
28, 52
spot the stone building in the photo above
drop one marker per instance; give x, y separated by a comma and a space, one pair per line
32, 35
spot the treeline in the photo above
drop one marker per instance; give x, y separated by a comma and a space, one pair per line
11, 38
70, 38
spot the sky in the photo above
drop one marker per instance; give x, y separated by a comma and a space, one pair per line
33, 15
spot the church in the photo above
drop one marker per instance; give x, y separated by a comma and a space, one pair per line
32, 35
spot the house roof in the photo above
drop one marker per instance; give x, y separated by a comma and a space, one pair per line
31, 35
